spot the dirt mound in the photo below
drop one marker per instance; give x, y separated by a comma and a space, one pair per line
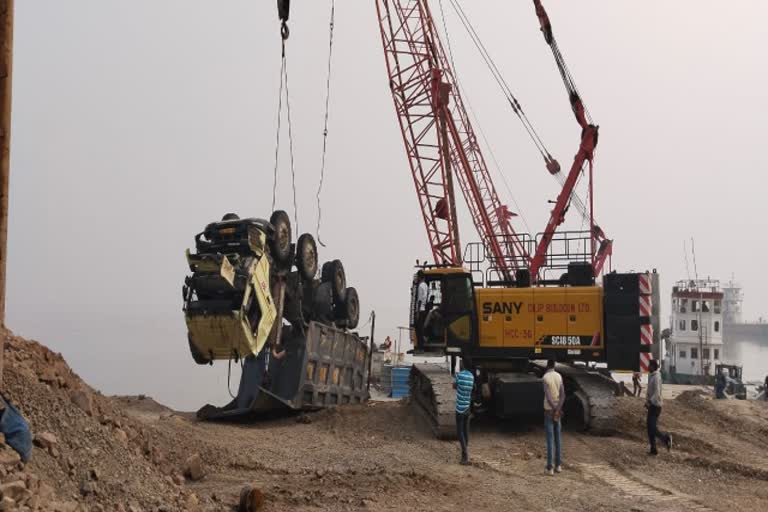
89, 454
692, 398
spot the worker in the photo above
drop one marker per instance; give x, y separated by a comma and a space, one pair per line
653, 402
765, 388
422, 291
387, 345
554, 398
463, 383
430, 303
433, 321
637, 388
721, 382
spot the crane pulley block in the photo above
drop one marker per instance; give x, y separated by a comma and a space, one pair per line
283, 9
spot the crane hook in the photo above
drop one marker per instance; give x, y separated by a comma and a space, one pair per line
283, 12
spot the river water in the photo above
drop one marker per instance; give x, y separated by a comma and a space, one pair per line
752, 356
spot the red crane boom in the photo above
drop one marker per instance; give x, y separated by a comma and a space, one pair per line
441, 145
585, 154
440, 141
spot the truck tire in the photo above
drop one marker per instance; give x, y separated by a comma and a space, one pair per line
348, 312
333, 272
280, 243
294, 297
322, 303
196, 354
306, 256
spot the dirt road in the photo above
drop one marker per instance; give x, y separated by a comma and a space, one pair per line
96, 453
381, 457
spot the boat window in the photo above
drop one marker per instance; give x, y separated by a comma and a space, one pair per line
681, 325
694, 325
682, 354
717, 326
694, 306
717, 353
694, 353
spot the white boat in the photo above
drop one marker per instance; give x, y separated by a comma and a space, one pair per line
695, 341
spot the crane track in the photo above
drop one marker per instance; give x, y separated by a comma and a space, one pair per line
433, 395
597, 394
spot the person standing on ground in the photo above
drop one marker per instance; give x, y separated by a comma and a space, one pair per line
720, 384
637, 388
463, 383
554, 398
422, 291
653, 403
765, 388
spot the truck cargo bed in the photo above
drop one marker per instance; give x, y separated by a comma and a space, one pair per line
323, 367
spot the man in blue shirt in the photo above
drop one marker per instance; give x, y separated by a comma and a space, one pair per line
463, 383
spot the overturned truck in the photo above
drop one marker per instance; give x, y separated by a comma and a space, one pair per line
255, 298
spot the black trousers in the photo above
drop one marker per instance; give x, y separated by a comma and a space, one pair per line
653, 427
462, 429
420, 334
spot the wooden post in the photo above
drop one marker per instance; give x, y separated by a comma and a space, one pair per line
6, 62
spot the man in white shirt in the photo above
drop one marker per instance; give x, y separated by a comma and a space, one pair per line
422, 293
554, 398
653, 402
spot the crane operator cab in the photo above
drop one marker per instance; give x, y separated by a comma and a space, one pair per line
442, 316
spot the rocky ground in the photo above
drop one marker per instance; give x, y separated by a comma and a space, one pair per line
130, 453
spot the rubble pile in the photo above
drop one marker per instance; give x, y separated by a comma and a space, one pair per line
88, 454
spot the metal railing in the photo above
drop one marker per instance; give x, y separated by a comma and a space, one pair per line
566, 247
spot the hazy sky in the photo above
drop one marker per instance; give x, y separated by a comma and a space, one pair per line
136, 123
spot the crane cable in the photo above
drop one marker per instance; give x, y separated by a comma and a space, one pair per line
479, 126
574, 96
284, 33
325, 127
565, 73
552, 165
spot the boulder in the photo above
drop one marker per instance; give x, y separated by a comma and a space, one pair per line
193, 468
88, 488
120, 435
16, 490
9, 456
46, 441
83, 400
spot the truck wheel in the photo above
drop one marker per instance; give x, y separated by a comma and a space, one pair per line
349, 310
280, 244
322, 303
294, 295
196, 354
333, 272
306, 256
